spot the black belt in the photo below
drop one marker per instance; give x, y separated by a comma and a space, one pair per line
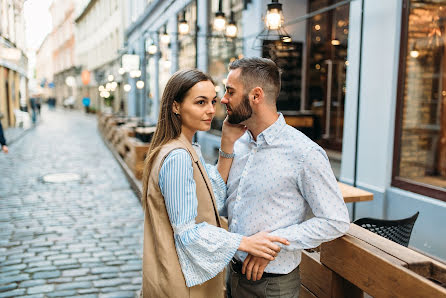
236, 266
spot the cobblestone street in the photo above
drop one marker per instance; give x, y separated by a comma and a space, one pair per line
81, 238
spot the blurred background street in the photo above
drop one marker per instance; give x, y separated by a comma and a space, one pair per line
67, 238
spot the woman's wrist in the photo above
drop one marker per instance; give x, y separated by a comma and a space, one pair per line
243, 244
227, 146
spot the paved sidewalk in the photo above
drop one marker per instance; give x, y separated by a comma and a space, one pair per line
79, 239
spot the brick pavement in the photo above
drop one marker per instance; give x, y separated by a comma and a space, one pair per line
80, 239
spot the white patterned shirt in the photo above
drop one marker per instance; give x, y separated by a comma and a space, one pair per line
273, 184
203, 249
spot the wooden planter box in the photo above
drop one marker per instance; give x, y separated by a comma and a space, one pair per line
363, 262
134, 155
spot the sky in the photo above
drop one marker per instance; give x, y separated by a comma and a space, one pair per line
37, 22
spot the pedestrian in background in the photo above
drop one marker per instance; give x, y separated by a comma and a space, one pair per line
86, 103
33, 104
186, 247
2, 137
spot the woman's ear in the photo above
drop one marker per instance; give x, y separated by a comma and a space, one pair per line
176, 108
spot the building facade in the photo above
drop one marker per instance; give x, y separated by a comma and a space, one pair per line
362, 78
13, 61
100, 31
63, 41
44, 67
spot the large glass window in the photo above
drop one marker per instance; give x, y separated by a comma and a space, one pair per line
221, 51
187, 43
164, 61
420, 138
326, 71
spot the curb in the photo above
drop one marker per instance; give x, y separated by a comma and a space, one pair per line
135, 184
19, 136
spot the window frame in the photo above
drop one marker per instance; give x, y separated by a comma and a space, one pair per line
397, 181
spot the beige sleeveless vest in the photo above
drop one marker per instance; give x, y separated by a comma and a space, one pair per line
162, 275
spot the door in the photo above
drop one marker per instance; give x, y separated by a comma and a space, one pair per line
327, 36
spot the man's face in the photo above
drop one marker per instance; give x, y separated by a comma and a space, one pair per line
236, 101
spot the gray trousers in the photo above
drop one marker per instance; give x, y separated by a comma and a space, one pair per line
286, 286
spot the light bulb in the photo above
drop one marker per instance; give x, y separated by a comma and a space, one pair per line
219, 22
274, 18
183, 27
152, 49
165, 38
231, 30
127, 87
110, 78
140, 84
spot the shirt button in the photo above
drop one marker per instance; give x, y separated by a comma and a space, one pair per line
238, 198
234, 221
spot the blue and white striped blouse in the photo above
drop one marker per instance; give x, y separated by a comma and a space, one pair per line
203, 249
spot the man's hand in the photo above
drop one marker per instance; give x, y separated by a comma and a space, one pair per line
253, 267
262, 245
5, 148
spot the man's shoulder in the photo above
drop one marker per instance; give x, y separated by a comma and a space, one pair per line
293, 137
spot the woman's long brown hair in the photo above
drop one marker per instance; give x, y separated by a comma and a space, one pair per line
169, 124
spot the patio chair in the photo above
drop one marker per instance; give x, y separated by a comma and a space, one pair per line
398, 231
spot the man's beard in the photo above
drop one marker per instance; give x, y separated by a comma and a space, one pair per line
242, 112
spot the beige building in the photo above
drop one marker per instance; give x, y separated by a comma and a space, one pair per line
64, 64
100, 30
45, 68
13, 61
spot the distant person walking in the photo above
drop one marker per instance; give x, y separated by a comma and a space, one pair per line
33, 102
86, 102
2, 139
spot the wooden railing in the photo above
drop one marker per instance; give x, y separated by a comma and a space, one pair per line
363, 262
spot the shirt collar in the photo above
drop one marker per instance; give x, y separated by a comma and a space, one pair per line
269, 134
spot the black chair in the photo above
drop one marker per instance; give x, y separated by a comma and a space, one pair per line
398, 231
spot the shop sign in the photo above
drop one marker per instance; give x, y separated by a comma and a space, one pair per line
11, 54
130, 62
85, 77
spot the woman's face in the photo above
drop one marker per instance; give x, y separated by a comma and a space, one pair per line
198, 108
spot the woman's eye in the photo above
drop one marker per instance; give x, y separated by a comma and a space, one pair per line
200, 102
214, 102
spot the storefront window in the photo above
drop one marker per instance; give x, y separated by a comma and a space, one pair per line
165, 62
326, 71
420, 151
187, 43
150, 83
222, 51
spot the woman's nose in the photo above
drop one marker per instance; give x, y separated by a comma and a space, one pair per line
211, 109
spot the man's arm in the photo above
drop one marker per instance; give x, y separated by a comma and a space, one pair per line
319, 188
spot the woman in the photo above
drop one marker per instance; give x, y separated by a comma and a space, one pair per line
185, 246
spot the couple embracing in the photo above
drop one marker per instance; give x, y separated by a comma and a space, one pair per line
268, 176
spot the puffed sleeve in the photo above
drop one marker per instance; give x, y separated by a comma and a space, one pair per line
203, 249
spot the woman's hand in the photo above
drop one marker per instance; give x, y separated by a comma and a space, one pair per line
262, 245
230, 134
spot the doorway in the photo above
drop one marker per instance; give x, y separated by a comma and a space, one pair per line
327, 41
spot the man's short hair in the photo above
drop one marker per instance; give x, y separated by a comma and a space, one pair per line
261, 72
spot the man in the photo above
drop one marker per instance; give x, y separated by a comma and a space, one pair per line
277, 176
